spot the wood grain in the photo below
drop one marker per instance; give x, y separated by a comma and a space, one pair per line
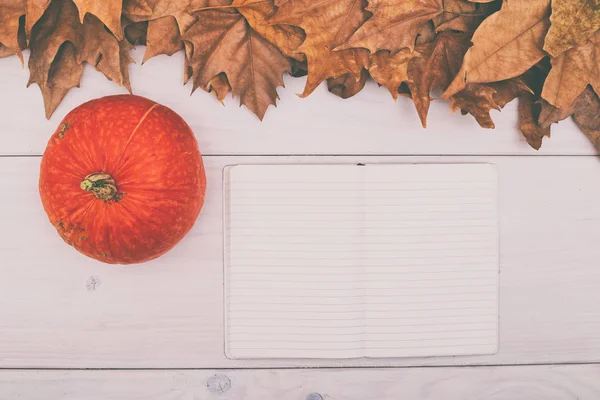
369, 123
580, 382
61, 309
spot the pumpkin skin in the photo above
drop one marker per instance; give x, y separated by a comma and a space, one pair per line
122, 179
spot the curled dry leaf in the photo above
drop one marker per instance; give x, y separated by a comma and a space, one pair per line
394, 24
505, 45
10, 14
223, 42
572, 71
162, 38
107, 11
342, 18
347, 85
572, 23
529, 112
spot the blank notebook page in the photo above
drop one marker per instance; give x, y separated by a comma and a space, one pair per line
347, 261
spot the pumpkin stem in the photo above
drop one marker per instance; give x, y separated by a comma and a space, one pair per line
102, 185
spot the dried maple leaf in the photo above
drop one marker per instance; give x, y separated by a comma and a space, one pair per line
586, 115
572, 71
572, 23
505, 45
435, 68
529, 112
162, 38
342, 18
107, 11
146, 10
64, 74
10, 14
60, 44
287, 38
53, 62
99, 48
223, 42
219, 85
458, 15
479, 99
394, 24
135, 32
585, 111
390, 70
34, 10
347, 85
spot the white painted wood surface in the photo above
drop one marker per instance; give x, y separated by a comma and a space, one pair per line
168, 313
60, 309
580, 382
369, 123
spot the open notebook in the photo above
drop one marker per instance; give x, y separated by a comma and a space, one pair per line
347, 261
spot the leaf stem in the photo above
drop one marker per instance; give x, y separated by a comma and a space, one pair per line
229, 6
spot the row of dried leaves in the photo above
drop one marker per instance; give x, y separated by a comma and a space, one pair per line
480, 54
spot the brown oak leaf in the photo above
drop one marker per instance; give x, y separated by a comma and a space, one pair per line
107, 11
162, 38
394, 24
572, 23
529, 112
10, 14
347, 85
572, 71
342, 18
223, 42
505, 45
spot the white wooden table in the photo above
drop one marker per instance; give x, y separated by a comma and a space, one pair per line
73, 328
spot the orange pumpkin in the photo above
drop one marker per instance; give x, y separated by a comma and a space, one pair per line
122, 179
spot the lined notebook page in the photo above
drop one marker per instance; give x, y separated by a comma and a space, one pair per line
346, 261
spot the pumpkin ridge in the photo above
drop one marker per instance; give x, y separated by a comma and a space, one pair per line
134, 131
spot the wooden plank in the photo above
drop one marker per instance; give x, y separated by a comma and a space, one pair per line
369, 123
577, 382
61, 309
